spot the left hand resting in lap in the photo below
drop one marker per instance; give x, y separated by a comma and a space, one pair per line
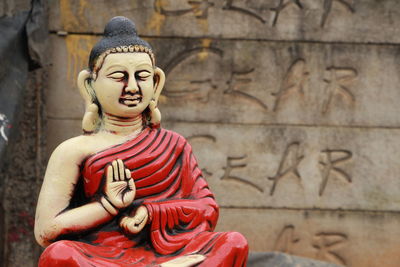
134, 224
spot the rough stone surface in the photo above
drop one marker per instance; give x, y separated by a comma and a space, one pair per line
21, 178
298, 167
316, 20
223, 81
349, 238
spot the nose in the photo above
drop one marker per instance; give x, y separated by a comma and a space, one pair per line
132, 86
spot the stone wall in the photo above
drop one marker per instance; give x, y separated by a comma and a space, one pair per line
21, 177
291, 107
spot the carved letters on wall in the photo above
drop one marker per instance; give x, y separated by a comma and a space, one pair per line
194, 88
338, 80
237, 162
327, 245
287, 240
328, 8
332, 158
293, 81
242, 79
200, 8
281, 6
335, 85
288, 165
332, 164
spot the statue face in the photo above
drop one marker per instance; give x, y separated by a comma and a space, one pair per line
124, 84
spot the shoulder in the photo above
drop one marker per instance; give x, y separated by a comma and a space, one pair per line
72, 143
172, 133
72, 149
179, 140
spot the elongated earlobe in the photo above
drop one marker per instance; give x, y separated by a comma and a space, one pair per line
155, 114
90, 119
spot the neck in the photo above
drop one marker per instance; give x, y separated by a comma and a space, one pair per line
121, 125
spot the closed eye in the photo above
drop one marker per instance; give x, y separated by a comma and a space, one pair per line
118, 75
142, 75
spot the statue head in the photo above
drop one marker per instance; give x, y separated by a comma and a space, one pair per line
122, 79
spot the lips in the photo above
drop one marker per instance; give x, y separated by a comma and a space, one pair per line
130, 100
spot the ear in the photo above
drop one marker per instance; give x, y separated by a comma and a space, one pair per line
159, 84
85, 92
91, 118
155, 114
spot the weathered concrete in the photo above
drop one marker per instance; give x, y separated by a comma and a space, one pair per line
253, 82
315, 20
21, 178
365, 239
298, 167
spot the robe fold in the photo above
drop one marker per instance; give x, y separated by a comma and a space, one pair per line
182, 210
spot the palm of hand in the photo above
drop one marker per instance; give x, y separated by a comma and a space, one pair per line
120, 188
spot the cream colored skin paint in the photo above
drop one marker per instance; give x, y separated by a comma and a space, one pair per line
122, 120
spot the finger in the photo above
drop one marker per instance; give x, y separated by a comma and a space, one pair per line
121, 168
123, 222
115, 169
127, 174
132, 227
131, 185
109, 174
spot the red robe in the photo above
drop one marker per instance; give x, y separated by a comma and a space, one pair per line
182, 210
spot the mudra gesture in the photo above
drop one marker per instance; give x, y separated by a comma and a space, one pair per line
127, 192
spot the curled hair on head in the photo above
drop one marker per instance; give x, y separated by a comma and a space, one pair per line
120, 36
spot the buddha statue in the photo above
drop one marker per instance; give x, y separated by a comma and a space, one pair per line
128, 192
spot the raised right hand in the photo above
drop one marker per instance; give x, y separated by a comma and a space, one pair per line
119, 189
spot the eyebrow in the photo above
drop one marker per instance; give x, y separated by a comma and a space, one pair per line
144, 64
113, 66
140, 65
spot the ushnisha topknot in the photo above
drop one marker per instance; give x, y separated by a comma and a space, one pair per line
120, 36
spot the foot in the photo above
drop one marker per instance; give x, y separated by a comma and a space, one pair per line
184, 261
